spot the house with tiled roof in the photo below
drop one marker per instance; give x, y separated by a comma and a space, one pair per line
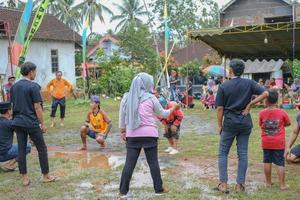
51, 49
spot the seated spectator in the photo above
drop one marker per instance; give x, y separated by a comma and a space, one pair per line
293, 154
8, 150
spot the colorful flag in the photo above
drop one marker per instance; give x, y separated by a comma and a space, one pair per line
37, 21
20, 35
84, 38
167, 30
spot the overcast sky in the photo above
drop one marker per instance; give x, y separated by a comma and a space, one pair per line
102, 28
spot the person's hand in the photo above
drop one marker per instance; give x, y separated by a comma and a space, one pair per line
173, 129
43, 128
247, 110
287, 152
220, 130
177, 106
123, 134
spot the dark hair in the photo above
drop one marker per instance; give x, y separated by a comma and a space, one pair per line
27, 67
11, 77
273, 97
238, 67
58, 72
210, 92
2, 112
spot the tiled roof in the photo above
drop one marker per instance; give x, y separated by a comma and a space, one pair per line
50, 29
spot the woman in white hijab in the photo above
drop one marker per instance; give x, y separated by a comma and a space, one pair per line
137, 121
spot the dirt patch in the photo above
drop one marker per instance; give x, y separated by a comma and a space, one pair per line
207, 169
197, 125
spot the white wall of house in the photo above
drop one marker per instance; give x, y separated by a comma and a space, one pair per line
39, 53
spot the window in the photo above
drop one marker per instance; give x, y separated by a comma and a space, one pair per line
54, 60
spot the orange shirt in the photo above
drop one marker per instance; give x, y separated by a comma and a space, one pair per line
59, 88
99, 121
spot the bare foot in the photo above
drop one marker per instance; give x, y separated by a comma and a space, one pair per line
62, 124
83, 148
25, 180
284, 187
52, 124
269, 185
103, 145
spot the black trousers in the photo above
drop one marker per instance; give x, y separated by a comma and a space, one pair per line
62, 106
131, 160
37, 137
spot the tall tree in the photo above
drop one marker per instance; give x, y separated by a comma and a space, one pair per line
130, 12
92, 9
186, 15
136, 42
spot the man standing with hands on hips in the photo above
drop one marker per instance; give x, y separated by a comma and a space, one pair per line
233, 103
28, 121
59, 88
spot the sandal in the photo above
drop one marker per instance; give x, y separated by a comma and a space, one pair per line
49, 180
240, 188
218, 188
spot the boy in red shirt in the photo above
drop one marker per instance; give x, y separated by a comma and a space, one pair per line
273, 122
172, 128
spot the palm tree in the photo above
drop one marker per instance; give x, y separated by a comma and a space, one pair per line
91, 9
130, 11
68, 15
13, 4
63, 10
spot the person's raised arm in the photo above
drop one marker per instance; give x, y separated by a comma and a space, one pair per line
160, 111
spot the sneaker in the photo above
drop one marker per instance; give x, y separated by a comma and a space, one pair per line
174, 151
169, 149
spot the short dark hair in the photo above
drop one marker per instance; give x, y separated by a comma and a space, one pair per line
2, 112
27, 67
237, 66
58, 72
273, 96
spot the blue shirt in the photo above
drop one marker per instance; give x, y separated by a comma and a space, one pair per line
6, 135
234, 96
24, 94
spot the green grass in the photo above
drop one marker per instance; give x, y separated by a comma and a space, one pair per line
193, 146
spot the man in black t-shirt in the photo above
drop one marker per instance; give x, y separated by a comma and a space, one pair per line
233, 102
28, 121
8, 150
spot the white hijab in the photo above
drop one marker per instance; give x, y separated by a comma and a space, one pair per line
140, 90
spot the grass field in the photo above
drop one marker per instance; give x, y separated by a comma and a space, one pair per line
95, 175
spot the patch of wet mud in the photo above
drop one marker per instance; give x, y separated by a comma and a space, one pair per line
141, 179
207, 169
194, 124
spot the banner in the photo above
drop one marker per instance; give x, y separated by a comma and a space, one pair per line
84, 38
21, 32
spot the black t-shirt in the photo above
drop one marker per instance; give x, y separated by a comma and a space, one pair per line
234, 96
24, 94
6, 135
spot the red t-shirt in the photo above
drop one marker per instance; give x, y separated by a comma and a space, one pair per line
272, 123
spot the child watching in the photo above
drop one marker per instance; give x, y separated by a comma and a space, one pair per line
172, 128
273, 122
97, 124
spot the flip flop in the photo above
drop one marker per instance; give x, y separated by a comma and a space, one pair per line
52, 179
219, 190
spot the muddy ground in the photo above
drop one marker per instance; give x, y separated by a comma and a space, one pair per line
199, 173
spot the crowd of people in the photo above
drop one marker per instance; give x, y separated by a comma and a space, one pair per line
140, 110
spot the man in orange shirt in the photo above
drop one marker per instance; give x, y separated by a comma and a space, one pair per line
58, 88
